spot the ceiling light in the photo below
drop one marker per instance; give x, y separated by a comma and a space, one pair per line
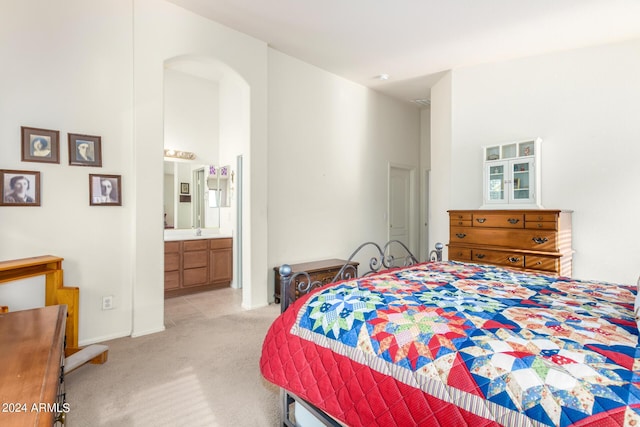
383, 77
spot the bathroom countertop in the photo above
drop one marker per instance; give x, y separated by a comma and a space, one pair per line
190, 235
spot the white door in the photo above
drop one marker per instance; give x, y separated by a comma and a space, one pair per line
400, 205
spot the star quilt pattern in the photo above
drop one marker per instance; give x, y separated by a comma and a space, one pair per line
519, 348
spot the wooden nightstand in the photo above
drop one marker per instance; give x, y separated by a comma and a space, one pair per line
323, 271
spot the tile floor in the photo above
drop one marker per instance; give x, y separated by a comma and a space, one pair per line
202, 305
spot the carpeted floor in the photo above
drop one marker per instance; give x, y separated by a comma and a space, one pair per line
202, 371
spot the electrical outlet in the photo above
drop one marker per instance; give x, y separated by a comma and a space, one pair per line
107, 302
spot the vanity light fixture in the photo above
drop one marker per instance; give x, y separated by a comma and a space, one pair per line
176, 154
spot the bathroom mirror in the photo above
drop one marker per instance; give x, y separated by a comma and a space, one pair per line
194, 194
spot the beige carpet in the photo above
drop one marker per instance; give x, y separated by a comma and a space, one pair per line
202, 371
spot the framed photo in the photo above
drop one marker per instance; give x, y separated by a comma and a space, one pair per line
184, 188
85, 150
20, 188
105, 190
40, 145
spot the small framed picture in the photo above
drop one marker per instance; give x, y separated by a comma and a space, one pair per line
85, 150
184, 188
105, 190
20, 188
40, 145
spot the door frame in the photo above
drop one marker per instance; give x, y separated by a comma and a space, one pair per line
413, 215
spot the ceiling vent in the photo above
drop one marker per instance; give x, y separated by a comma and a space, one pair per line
424, 102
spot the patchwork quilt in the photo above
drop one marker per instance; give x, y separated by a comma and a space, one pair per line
458, 344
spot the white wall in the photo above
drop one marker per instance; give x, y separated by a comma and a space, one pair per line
67, 65
425, 169
330, 145
97, 68
583, 103
191, 115
441, 169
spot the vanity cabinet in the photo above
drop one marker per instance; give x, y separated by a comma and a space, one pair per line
197, 265
537, 240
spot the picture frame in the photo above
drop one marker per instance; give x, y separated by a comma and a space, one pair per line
40, 145
184, 188
19, 188
85, 150
105, 190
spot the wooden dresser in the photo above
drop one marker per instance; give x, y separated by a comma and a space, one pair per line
537, 239
197, 265
32, 367
321, 271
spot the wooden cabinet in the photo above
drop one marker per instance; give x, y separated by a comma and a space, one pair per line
197, 265
512, 175
32, 367
527, 239
322, 271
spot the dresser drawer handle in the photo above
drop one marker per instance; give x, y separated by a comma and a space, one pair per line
481, 220
480, 256
540, 240
459, 222
460, 235
513, 220
513, 259
540, 225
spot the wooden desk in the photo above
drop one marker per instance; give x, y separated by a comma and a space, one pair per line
55, 292
31, 366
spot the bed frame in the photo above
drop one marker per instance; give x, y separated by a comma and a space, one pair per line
302, 284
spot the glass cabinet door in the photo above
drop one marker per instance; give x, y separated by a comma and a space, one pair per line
496, 181
522, 181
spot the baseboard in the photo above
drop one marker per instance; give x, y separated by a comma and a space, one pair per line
148, 332
104, 338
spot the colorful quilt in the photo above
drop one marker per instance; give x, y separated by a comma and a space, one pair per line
498, 345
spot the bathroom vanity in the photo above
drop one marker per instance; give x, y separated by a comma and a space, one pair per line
197, 263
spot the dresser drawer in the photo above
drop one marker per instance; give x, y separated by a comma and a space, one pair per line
460, 222
502, 220
459, 254
536, 217
464, 216
498, 257
540, 240
542, 263
541, 225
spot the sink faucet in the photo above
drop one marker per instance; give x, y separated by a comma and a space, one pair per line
198, 231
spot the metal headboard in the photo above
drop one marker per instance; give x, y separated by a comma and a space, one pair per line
382, 259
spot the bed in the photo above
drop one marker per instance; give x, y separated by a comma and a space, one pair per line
452, 344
